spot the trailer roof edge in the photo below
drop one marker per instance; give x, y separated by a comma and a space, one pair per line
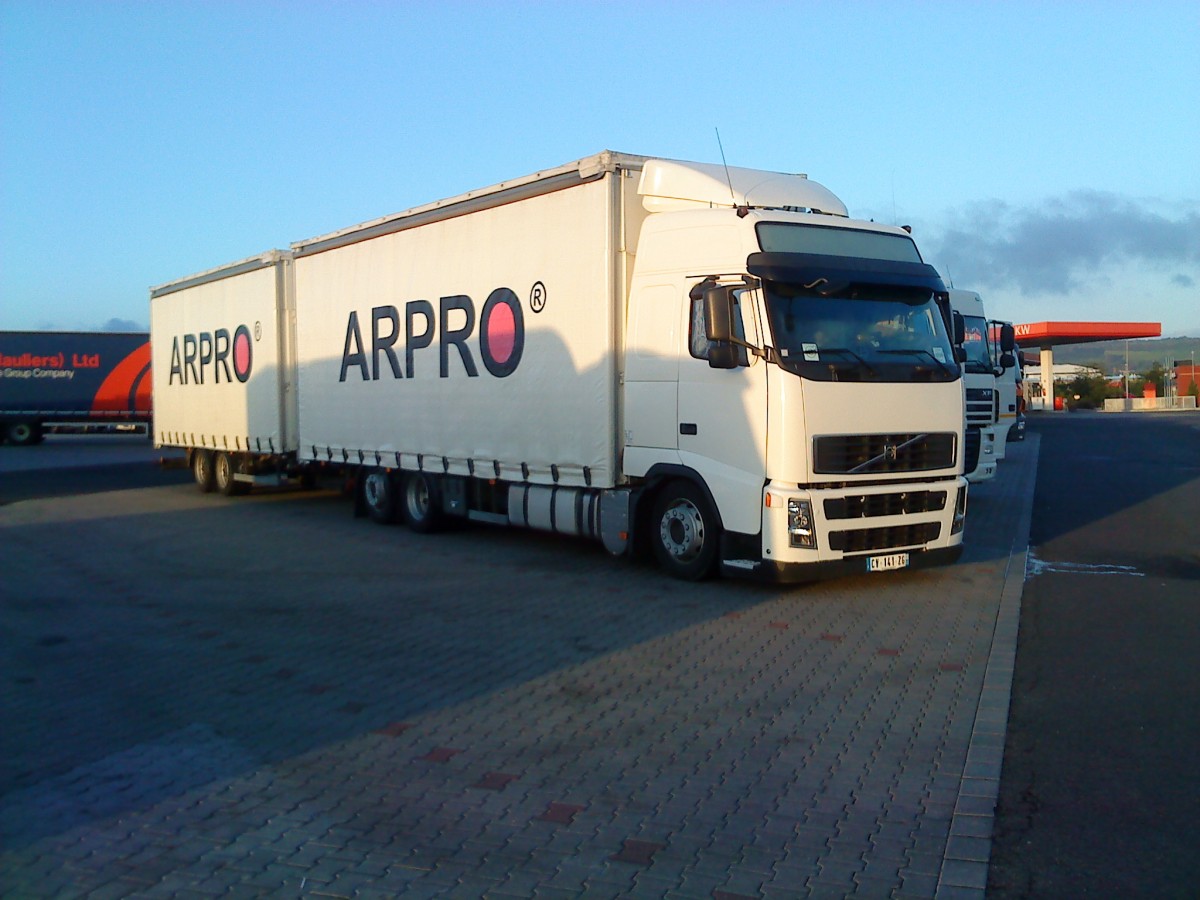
544, 181
249, 264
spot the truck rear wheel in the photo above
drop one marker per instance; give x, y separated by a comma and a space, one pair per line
224, 467
421, 503
684, 531
379, 495
24, 434
202, 470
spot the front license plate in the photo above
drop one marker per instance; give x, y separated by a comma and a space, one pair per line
884, 563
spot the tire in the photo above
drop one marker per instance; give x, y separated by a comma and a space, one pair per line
684, 532
202, 471
421, 503
24, 434
225, 465
379, 490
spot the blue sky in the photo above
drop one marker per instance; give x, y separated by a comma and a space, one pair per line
1046, 154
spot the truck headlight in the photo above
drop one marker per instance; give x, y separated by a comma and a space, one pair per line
960, 511
800, 525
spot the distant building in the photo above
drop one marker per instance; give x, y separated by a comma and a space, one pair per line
1186, 375
1063, 372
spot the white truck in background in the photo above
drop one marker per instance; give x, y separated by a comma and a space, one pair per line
988, 356
715, 363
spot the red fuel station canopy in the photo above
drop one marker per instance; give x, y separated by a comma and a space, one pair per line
1054, 334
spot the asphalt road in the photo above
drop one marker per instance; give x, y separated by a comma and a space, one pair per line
69, 464
1100, 794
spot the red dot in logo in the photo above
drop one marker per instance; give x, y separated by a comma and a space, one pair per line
241, 353
501, 332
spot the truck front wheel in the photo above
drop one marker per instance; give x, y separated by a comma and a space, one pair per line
202, 470
684, 531
421, 503
379, 495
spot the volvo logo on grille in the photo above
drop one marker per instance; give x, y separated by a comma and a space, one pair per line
890, 453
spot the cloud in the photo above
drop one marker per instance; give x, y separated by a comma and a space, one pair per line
1062, 244
122, 325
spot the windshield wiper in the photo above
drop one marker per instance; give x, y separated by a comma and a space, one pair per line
866, 365
919, 350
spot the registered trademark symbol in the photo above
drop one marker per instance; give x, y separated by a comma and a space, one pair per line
258, 331
537, 297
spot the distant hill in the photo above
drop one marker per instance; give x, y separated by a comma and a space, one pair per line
1109, 356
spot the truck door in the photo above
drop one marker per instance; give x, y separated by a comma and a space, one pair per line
723, 416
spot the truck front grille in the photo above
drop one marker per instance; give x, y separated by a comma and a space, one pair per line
981, 407
866, 506
870, 539
869, 454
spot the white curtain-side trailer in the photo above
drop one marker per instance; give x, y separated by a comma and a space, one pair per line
715, 363
223, 363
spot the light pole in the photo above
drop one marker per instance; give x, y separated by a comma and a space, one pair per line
1127, 371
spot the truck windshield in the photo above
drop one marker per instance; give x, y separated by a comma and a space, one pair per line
979, 352
866, 333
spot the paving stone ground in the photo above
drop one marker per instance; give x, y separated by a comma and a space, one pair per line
266, 697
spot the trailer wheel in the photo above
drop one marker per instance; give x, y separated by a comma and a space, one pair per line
224, 467
421, 503
202, 470
24, 434
684, 531
379, 496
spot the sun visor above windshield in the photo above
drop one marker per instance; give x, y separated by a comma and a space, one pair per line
669, 184
811, 268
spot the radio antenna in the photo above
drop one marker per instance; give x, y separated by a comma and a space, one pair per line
732, 195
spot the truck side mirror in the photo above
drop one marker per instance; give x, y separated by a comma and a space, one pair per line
1008, 344
960, 336
723, 356
1008, 340
718, 313
718, 327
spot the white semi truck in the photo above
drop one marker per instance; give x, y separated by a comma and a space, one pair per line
988, 356
713, 362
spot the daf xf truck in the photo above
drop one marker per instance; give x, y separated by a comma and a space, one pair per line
714, 363
986, 360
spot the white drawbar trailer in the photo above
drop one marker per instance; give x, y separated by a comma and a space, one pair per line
715, 362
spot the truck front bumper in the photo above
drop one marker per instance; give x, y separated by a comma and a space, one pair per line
800, 573
813, 533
